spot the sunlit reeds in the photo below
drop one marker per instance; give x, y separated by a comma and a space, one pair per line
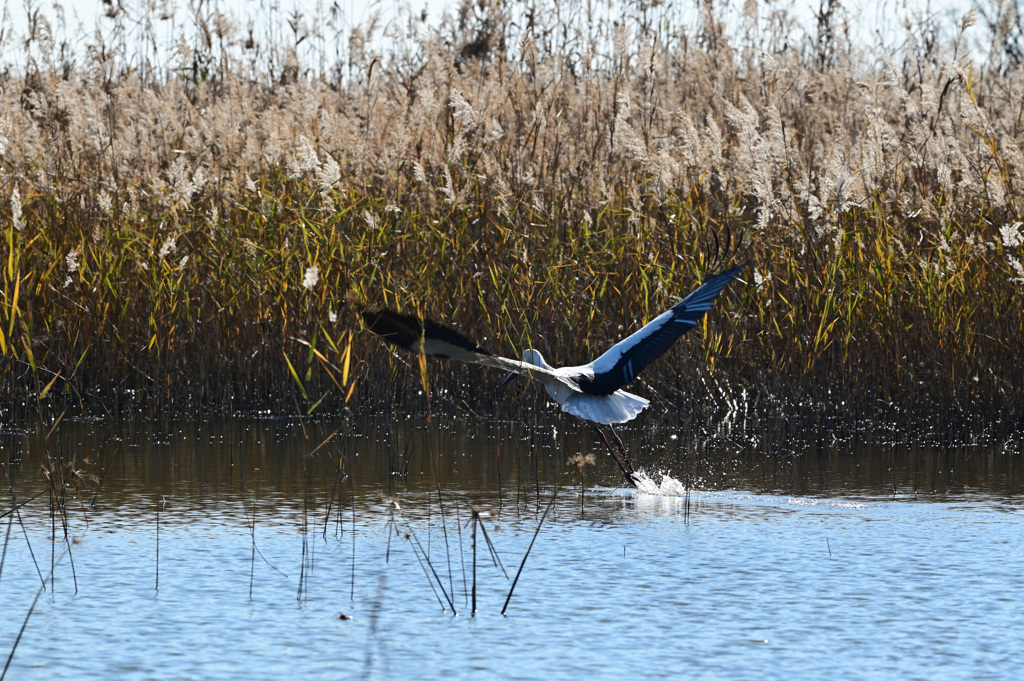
186, 238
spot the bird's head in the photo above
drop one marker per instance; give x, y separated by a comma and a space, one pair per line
534, 357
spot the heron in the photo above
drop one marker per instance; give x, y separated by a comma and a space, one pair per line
593, 391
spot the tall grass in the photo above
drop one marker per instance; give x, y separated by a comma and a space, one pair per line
184, 236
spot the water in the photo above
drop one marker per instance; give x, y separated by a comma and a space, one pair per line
851, 561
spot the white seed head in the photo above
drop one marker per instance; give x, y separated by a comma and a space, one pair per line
169, 246
72, 260
1011, 235
304, 159
328, 175
19, 224
311, 277
104, 202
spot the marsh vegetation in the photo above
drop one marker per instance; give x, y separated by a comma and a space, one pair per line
182, 235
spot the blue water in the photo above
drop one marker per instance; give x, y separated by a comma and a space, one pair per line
719, 583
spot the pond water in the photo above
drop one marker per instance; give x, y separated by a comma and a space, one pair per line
222, 550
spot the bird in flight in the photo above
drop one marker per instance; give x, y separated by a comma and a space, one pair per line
593, 391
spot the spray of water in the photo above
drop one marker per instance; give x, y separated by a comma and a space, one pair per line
668, 487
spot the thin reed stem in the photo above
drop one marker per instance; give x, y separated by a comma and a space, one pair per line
21, 632
529, 548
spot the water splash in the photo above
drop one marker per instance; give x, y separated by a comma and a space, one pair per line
668, 487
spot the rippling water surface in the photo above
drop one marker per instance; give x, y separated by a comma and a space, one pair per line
230, 550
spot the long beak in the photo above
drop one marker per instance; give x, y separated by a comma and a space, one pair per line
508, 379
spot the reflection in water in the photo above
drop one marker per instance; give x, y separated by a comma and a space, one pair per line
744, 555
204, 461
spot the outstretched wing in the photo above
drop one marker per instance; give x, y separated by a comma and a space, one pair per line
627, 358
413, 334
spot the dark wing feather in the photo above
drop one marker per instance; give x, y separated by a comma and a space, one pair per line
406, 331
627, 358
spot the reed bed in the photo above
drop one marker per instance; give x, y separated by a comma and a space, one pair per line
188, 236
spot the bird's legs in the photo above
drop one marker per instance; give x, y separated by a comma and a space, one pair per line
626, 473
622, 450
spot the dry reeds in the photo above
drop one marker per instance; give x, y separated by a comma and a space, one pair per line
185, 237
